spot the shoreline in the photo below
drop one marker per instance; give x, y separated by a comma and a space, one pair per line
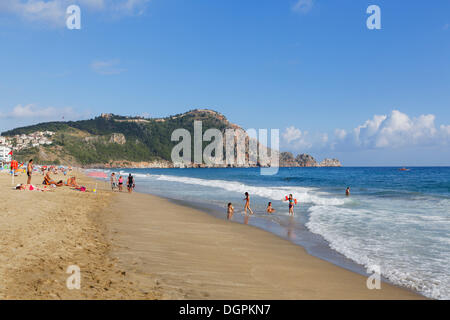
317, 247
196, 250
140, 246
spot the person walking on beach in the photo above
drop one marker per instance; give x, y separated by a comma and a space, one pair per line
347, 192
113, 181
230, 211
247, 204
29, 171
120, 183
130, 183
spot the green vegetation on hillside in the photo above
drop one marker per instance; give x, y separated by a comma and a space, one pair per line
89, 141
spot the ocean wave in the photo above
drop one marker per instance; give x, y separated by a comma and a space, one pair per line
302, 194
373, 237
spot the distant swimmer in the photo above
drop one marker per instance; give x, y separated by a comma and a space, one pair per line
230, 211
347, 191
270, 209
247, 204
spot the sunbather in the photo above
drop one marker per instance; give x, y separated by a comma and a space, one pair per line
72, 182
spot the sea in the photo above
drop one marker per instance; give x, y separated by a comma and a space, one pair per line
394, 220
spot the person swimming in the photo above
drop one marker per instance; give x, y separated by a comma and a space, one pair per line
247, 204
230, 211
347, 191
270, 209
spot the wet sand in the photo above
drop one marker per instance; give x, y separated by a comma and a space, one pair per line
189, 254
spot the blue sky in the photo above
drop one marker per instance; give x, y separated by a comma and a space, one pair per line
308, 67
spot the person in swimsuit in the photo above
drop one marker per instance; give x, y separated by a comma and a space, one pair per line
247, 204
347, 191
48, 181
130, 183
29, 171
120, 183
270, 209
72, 182
291, 205
230, 211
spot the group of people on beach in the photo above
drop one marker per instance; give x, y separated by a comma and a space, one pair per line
48, 181
290, 199
117, 183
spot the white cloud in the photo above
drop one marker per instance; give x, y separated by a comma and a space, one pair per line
303, 6
393, 131
53, 12
340, 133
107, 67
396, 130
291, 134
31, 111
296, 138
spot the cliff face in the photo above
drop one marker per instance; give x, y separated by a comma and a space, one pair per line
305, 160
119, 141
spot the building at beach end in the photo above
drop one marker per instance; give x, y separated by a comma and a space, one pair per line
4, 153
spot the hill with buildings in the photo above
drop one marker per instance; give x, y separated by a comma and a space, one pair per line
111, 140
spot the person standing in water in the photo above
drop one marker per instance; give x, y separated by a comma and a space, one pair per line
247, 204
130, 183
120, 183
291, 205
230, 211
29, 171
347, 192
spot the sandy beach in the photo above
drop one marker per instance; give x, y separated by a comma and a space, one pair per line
138, 246
43, 233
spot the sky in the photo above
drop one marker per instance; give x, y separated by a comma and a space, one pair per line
310, 68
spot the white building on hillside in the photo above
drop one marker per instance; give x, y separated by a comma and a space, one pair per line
4, 156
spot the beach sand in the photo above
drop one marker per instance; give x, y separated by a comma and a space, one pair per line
189, 254
43, 233
137, 246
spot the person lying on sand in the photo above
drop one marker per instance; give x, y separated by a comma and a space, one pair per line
29, 187
48, 181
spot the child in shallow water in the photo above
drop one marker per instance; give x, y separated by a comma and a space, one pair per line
247, 204
230, 211
270, 209
291, 205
